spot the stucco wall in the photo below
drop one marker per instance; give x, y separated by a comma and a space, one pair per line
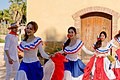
55, 16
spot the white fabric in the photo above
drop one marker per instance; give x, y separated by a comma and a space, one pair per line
117, 64
112, 42
105, 48
11, 69
74, 57
11, 42
68, 76
48, 70
110, 74
21, 75
87, 51
31, 55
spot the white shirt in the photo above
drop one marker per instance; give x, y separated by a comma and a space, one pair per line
11, 42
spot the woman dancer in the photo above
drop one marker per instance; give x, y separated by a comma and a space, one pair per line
99, 64
74, 68
30, 67
116, 41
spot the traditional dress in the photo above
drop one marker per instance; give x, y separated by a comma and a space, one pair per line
30, 67
74, 68
100, 65
117, 56
54, 68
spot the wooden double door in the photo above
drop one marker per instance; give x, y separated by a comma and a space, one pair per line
91, 26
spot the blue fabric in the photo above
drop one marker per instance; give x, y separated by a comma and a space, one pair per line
110, 65
116, 57
33, 70
75, 67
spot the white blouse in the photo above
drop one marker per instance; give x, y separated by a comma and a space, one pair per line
72, 52
104, 50
31, 49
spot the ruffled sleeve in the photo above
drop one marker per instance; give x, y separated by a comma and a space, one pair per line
29, 46
75, 48
104, 50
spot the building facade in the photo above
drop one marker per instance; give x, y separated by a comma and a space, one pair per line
90, 17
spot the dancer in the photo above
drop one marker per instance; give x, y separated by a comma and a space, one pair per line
30, 67
74, 68
71, 68
54, 67
116, 41
99, 64
11, 52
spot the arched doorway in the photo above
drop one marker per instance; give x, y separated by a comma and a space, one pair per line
91, 25
102, 13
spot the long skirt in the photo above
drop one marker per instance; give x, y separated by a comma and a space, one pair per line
117, 68
74, 70
100, 68
30, 71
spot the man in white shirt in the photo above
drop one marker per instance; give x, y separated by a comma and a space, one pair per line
11, 52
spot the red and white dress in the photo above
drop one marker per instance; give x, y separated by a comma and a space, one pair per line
99, 65
117, 56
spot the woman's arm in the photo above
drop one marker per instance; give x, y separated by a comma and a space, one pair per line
87, 51
112, 42
42, 52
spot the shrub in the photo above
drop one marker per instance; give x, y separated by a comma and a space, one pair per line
2, 41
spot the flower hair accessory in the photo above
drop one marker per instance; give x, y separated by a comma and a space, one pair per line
98, 39
68, 36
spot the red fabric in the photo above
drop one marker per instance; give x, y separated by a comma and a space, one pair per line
58, 60
88, 68
117, 73
118, 53
99, 73
13, 33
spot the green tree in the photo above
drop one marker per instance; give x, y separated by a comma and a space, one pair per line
1, 15
7, 16
18, 10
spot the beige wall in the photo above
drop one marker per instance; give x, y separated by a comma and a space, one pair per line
55, 16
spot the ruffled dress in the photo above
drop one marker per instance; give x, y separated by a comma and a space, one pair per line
74, 68
99, 65
117, 62
30, 67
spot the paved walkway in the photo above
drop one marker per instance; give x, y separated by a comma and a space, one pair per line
2, 64
2, 67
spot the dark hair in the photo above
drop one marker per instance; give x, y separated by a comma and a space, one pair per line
99, 42
117, 35
35, 26
68, 40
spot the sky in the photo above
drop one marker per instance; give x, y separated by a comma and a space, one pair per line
4, 4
